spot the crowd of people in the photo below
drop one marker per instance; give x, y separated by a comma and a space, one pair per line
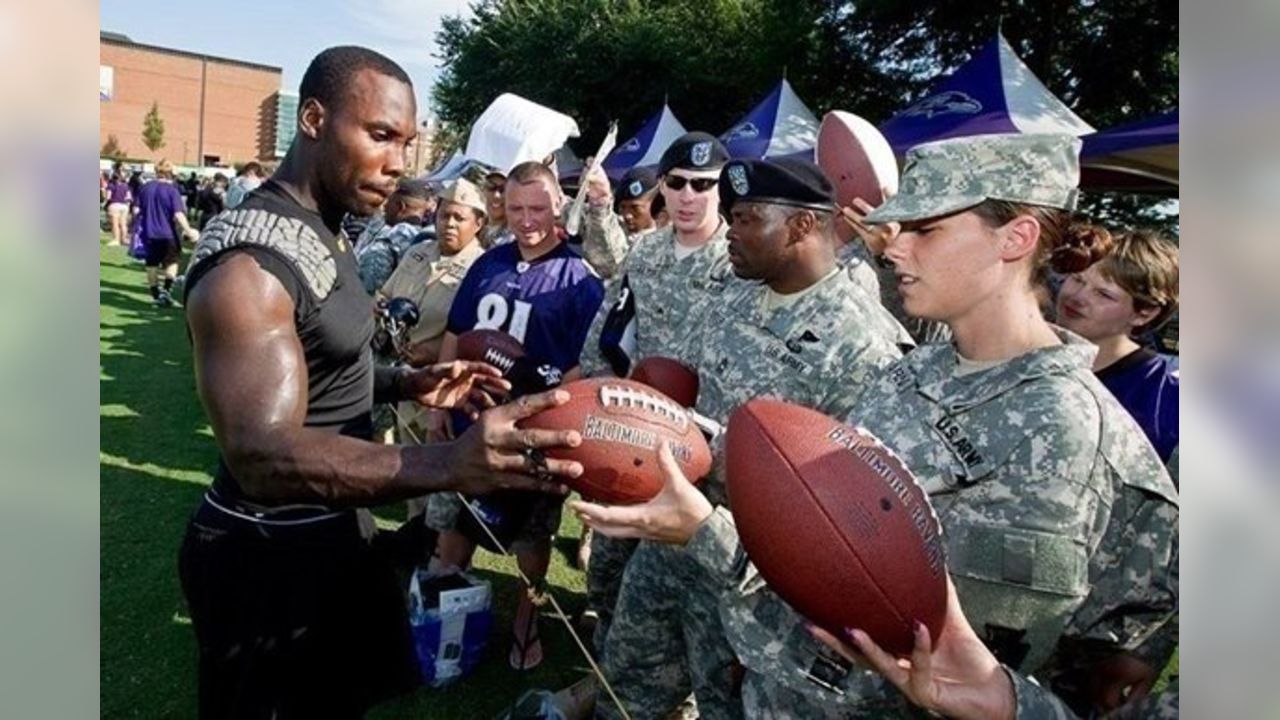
152, 213
973, 322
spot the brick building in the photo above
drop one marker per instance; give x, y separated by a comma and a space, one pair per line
216, 111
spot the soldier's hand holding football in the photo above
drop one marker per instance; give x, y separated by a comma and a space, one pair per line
958, 678
672, 516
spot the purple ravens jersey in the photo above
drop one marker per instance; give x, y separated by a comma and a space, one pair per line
1146, 384
547, 304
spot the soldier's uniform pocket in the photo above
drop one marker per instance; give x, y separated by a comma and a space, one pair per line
1018, 587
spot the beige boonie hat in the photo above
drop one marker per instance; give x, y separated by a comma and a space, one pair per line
463, 192
948, 176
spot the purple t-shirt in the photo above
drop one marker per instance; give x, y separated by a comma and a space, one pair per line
117, 192
158, 201
1146, 384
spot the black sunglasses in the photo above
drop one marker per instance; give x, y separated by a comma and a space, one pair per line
700, 185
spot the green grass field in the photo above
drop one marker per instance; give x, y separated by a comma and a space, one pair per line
156, 455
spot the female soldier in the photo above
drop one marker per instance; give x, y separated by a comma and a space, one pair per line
1058, 518
1127, 288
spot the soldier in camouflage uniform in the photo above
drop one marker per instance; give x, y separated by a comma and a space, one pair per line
607, 236
1060, 523
667, 274
407, 210
671, 271
795, 320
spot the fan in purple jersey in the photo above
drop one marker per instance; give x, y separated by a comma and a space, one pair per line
1128, 289
543, 294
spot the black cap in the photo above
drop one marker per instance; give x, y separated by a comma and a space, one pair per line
415, 188
637, 182
784, 181
694, 151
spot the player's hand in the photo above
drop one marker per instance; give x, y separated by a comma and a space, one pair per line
960, 678
672, 516
494, 454
459, 385
876, 237
1118, 680
598, 191
191, 234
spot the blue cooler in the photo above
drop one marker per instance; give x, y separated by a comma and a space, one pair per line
450, 616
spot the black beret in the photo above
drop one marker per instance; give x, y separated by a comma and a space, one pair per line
415, 188
694, 151
636, 182
784, 181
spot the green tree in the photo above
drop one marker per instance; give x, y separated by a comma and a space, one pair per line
153, 128
599, 60
111, 149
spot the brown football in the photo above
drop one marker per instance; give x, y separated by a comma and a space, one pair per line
835, 522
492, 346
669, 377
622, 423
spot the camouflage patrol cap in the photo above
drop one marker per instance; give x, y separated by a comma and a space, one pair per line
948, 176
464, 192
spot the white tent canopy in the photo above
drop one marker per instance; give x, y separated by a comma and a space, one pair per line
513, 130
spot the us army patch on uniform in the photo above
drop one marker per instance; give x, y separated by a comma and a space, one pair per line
797, 344
738, 179
700, 153
784, 355
964, 449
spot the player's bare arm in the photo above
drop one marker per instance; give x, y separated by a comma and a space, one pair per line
252, 379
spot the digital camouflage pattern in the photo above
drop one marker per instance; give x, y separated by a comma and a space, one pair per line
666, 638
856, 260
1058, 518
667, 290
605, 242
609, 558
666, 641
835, 329
494, 235
948, 176
382, 254
1037, 703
